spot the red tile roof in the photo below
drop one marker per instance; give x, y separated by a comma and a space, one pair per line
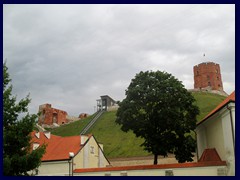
58, 148
210, 155
159, 166
230, 98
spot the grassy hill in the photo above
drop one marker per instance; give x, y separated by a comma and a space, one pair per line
120, 144
206, 102
116, 143
72, 129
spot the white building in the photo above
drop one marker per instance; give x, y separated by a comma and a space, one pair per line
217, 130
64, 154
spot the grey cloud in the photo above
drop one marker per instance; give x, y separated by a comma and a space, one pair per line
69, 55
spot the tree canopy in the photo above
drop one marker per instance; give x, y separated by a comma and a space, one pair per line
18, 158
159, 109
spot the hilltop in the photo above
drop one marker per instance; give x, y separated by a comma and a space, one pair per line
120, 144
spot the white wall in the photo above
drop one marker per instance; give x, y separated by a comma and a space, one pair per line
57, 168
214, 135
191, 171
201, 139
94, 154
229, 138
210, 135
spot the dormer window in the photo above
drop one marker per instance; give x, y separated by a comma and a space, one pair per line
35, 146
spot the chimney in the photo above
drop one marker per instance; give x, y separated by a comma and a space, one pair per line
47, 134
83, 139
37, 134
71, 154
35, 145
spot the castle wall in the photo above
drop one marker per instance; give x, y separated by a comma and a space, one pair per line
207, 75
49, 115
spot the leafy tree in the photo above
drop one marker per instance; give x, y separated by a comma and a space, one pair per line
159, 109
18, 158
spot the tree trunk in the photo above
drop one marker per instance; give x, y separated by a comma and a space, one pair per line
155, 159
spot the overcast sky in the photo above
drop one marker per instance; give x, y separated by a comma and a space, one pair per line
70, 55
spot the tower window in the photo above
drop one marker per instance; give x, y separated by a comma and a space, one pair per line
209, 84
43, 115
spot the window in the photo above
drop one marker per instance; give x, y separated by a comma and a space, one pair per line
221, 172
107, 174
54, 118
123, 173
43, 115
209, 84
169, 173
91, 149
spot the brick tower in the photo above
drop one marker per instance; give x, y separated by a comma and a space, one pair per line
207, 75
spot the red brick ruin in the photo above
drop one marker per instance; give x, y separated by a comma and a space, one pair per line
49, 115
207, 75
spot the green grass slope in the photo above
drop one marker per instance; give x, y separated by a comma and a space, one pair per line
71, 129
116, 143
206, 102
120, 144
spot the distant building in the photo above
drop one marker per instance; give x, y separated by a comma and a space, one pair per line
83, 115
65, 154
207, 75
50, 116
106, 103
